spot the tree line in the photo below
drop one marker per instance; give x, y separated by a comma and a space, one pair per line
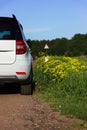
76, 46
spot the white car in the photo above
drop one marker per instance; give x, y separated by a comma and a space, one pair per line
15, 55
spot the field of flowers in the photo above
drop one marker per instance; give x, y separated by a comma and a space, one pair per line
63, 82
58, 68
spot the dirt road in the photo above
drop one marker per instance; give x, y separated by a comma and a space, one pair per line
19, 112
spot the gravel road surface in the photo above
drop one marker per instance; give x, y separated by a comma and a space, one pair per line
20, 112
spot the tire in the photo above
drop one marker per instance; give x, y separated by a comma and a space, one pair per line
31, 76
26, 89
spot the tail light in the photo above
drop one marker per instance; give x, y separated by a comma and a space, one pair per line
20, 47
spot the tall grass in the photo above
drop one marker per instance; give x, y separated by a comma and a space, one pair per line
67, 95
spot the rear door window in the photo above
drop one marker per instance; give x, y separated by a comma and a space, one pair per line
6, 29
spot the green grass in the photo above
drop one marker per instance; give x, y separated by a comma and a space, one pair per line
83, 58
68, 96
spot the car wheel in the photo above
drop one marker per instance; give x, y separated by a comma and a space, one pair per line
26, 89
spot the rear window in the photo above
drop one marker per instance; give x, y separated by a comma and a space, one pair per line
7, 31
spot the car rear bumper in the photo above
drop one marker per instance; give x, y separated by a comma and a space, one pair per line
13, 79
18, 71
8, 79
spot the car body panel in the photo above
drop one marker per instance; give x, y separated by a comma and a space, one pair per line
14, 67
7, 51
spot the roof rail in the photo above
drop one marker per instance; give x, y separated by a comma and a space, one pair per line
14, 16
17, 20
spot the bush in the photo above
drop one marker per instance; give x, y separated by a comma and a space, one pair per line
63, 82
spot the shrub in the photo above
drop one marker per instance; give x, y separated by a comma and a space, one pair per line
63, 82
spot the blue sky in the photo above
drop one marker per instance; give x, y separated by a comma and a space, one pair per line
48, 19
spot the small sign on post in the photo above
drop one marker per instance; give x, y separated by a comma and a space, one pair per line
46, 47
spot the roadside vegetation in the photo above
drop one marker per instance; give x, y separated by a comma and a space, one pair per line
62, 82
76, 46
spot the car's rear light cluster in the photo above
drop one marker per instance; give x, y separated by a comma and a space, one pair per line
20, 47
